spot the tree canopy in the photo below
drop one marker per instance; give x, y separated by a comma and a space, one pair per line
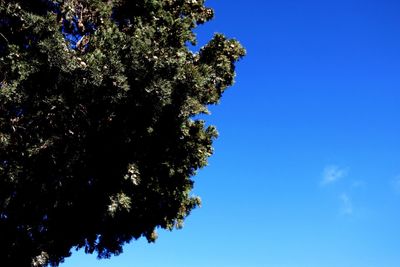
99, 138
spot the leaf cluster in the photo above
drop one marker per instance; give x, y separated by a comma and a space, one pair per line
99, 141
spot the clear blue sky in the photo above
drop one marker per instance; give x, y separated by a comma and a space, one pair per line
306, 171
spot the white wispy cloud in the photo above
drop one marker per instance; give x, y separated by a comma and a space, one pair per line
358, 184
347, 205
332, 173
396, 184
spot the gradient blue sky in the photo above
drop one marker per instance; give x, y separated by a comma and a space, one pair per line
306, 171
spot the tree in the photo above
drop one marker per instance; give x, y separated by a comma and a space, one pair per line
99, 139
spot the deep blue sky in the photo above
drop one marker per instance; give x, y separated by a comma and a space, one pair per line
306, 171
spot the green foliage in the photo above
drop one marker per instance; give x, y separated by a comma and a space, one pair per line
98, 142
